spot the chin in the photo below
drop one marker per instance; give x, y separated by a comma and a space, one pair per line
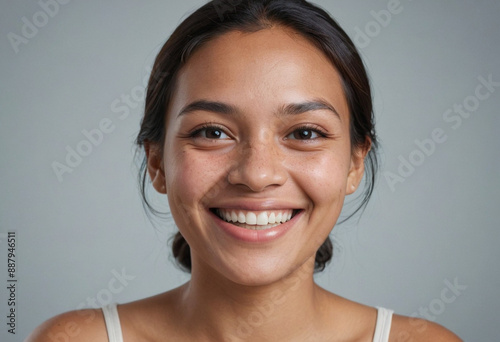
261, 270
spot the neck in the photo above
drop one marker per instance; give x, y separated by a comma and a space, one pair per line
226, 311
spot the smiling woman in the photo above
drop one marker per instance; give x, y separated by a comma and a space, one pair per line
277, 153
258, 124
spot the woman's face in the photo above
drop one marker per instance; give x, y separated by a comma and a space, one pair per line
257, 132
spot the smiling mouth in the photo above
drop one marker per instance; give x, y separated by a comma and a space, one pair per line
255, 220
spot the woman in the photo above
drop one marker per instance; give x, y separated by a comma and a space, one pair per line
258, 123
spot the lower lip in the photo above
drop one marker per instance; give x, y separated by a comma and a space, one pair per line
255, 236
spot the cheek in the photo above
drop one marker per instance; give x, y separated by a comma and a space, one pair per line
184, 177
323, 179
323, 176
181, 174
192, 178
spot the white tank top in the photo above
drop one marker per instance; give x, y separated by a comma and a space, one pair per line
382, 328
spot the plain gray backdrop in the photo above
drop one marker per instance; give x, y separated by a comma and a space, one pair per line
426, 245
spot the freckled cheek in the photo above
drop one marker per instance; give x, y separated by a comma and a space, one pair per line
323, 179
194, 178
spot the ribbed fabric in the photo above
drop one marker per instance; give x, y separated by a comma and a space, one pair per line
112, 323
383, 327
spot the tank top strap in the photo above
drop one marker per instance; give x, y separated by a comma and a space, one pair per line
383, 326
113, 327
112, 321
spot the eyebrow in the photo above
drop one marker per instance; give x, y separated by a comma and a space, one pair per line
289, 109
209, 106
308, 106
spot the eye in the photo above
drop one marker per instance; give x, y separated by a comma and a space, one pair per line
210, 132
306, 133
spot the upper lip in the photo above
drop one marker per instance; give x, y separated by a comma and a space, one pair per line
260, 205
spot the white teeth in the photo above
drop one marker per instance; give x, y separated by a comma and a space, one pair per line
233, 217
251, 219
241, 217
263, 218
278, 217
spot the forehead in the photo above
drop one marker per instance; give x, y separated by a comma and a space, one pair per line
274, 65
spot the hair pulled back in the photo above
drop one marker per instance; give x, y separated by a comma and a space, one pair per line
222, 16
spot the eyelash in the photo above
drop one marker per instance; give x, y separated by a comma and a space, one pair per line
313, 128
209, 125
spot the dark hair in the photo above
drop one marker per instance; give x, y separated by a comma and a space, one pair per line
222, 16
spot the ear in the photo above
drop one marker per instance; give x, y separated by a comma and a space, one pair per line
357, 168
155, 167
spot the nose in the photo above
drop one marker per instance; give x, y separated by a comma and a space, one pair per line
258, 165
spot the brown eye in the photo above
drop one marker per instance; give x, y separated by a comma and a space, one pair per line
213, 133
304, 134
210, 132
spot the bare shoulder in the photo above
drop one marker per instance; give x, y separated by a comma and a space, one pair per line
141, 320
416, 329
72, 326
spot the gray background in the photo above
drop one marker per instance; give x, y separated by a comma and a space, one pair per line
73, 236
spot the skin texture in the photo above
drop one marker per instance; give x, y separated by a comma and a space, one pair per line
259, 156
258, 165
